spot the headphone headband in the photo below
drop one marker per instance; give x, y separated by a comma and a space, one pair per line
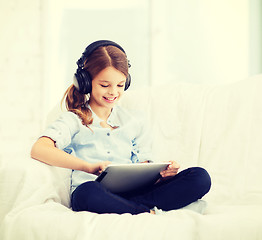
92, 47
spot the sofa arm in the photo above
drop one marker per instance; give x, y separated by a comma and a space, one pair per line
31, 184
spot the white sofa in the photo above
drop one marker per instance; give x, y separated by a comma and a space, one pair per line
216, 127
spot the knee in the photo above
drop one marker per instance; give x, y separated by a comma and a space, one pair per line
202, 179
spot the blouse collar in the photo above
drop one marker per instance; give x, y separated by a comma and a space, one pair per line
112, 120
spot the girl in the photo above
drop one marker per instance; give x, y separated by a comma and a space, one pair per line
95, 132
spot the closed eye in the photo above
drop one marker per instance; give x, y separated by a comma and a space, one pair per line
104, 85
120, 85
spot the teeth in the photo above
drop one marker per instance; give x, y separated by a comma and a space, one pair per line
110, 99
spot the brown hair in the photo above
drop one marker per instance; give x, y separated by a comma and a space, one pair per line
101, 58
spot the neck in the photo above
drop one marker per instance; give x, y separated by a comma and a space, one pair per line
102, 113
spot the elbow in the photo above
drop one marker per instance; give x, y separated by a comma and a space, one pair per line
41, 147
34, 151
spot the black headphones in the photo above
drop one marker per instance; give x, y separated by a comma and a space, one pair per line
82, 79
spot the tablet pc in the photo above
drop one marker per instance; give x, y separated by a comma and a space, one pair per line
119, 178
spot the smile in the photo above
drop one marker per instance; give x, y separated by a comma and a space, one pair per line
110, 99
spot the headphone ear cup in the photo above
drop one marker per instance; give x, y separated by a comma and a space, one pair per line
128, 82
84, 81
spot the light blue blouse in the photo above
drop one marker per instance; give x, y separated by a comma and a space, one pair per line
129, 142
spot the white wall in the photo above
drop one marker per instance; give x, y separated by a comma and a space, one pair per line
204, 41
255, 36
21, 96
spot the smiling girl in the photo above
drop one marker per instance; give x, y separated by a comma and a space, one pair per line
95, 132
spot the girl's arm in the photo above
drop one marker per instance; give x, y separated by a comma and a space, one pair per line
45, 151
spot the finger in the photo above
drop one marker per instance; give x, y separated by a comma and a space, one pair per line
169, 173
105, 164
173, 164
176, 165
172, 169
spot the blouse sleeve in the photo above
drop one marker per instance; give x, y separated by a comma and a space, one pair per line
142, 144
63, 129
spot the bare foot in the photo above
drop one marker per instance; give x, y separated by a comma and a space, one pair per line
152, 212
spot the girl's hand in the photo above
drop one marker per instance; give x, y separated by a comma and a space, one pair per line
171, 170
97, 168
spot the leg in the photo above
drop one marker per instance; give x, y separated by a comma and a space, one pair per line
177, 192
93, 197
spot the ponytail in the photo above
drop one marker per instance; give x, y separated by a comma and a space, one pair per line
76, 102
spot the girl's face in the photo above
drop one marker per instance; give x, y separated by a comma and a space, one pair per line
107, 88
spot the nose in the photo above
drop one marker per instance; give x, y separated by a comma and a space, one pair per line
112, 91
